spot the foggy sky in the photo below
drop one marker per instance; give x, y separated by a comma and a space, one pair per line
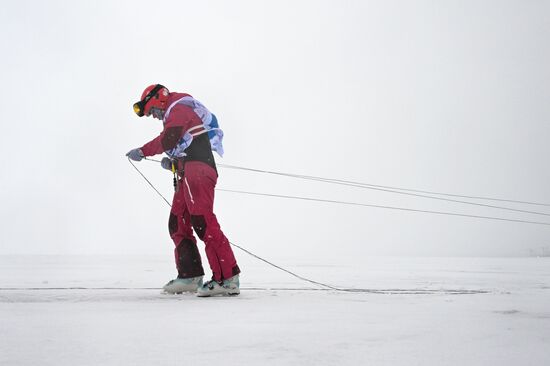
448, 96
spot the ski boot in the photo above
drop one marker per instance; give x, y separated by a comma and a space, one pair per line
229, 287
180, 285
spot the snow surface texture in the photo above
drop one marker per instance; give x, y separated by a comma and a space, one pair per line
432, 311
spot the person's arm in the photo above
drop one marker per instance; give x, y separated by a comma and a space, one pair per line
155, 146
176, 125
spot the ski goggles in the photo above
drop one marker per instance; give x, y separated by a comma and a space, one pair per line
139, 107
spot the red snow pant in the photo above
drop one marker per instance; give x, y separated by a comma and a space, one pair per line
192, 208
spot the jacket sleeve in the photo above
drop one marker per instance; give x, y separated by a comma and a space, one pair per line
175, 127
153, 147
167, 140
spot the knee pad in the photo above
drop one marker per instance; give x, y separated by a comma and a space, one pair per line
172, 224
199, 224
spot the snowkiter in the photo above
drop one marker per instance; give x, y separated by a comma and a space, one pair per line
190, 134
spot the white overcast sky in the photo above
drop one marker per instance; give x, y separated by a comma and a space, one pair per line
449, 96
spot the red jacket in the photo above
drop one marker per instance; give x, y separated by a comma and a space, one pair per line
181, 119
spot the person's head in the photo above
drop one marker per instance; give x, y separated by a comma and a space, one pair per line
153, 102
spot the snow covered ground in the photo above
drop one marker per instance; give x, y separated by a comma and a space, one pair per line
61, 310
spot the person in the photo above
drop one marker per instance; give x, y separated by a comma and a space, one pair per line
190, 134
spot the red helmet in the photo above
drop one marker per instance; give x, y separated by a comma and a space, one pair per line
155, 95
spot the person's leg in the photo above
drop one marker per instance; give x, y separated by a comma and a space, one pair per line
198, 184
187, 256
